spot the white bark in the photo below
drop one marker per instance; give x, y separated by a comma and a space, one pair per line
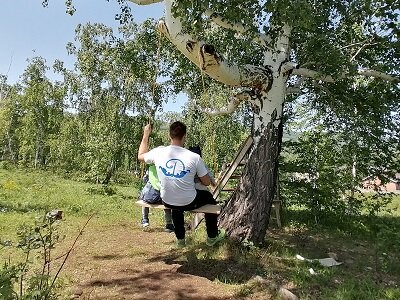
207, 59
232, 106
327, 78
313, 74
270, 103
282, 45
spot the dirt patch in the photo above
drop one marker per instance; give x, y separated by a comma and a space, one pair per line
121, 262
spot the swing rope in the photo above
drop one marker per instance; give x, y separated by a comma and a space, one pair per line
210, 121
152, 111
154, 82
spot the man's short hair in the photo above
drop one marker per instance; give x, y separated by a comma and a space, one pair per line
177, 130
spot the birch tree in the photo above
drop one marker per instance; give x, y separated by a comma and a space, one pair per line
269, 49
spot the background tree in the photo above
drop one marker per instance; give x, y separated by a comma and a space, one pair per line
91, 122
330, 154
114, 90
10, 119
42, 112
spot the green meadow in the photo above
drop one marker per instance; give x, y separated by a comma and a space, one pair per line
367, 246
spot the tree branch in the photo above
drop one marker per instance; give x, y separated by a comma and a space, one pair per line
293, 90
296, 88
260, 38
360, 49
208, 59
377, 74
312, 74
145, 2
327, 78
234, 102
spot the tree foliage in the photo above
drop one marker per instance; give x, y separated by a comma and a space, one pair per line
112, 92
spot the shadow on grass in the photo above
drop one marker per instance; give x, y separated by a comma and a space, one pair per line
234, 266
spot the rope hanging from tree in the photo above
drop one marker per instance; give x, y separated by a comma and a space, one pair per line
210, 120
155, 102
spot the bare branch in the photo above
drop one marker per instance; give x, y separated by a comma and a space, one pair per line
261, 38
293, 90
360, 49
327, 78
145, 2
288, 66
377, 74
296, 88
68, 253
233, 104
354, 44
312, 74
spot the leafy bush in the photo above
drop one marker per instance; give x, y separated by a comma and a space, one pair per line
319, 174
20, 280
125, 178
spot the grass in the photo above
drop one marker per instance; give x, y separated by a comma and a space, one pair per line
367, 246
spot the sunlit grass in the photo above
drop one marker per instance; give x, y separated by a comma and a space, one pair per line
367, 247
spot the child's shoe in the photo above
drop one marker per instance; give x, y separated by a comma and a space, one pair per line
145, 223
169, 228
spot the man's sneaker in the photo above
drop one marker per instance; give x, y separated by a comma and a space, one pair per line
169, 228
181, 243
145, 223
220, 236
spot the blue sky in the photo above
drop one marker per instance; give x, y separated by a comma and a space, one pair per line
27, 29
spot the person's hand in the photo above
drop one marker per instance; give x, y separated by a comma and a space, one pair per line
147, 129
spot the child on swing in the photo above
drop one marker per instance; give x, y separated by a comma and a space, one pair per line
197, 182
151, 194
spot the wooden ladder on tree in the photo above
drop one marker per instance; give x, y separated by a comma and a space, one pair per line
228, 174
231, 168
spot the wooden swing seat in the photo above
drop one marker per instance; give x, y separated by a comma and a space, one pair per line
208, 208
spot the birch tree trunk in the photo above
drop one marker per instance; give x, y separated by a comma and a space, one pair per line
246, 215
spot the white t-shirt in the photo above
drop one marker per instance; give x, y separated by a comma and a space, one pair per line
176, 169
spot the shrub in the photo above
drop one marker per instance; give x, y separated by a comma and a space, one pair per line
21, 280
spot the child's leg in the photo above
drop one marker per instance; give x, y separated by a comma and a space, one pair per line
168, 216
169, 226
145, 216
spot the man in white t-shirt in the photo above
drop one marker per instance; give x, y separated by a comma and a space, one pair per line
176, 170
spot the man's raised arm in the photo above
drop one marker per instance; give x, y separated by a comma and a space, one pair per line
144, 144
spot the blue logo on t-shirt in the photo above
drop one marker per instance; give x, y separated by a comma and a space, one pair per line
176, 168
